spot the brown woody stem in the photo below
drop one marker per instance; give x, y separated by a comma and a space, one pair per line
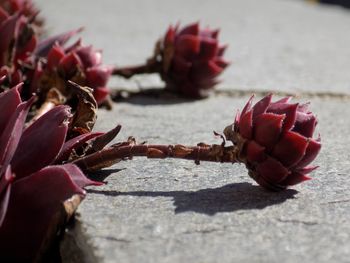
151, 66
111, 155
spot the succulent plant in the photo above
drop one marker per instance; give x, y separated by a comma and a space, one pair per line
18, 41
78, 63
273, 139
25, 7
189, 60
37, 179
276, 139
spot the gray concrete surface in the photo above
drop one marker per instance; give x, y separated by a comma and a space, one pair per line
175, 211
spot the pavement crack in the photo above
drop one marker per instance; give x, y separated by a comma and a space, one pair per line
204, 231
296, 221
115, 239
336, 202
247, 92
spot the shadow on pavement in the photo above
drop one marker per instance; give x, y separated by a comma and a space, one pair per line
149, 96
228, 198
343, 3
101, 175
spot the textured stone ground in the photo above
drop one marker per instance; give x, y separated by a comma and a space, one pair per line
175, 211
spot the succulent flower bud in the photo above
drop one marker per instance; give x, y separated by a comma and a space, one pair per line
191, 58
276, 141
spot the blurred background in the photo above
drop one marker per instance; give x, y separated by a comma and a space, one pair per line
292, 45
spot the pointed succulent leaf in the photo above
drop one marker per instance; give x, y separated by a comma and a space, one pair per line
41, 142
10, 99
34, 202
12, 133
311, 153
261, 106
267, 129
73, 144
255, 152
5, 191
246, 125
295, 178
291, 148
290, 110
45, 46
192, 29
305, 124
89, 56
8, 31
98, 76
272, 170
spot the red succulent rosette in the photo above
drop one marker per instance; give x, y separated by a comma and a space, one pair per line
276, 140
18, 41
25, 7
78, 63
36, 178
192, 59
189, 60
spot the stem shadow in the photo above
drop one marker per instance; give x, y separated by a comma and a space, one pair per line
228, 198
149, 96
101, 175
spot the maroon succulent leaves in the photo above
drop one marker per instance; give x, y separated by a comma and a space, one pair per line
278, 144
189, 60
192, 60
48, 64
18, 41
78, 63
25, 7
32, 186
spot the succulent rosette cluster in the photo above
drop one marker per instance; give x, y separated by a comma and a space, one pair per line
189, 60
36, 176
78, 63
26, 7
192, 59
18, 41
276, 141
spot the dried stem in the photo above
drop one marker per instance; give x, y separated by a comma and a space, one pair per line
151, 66
53, 98
202, 152
44, 108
